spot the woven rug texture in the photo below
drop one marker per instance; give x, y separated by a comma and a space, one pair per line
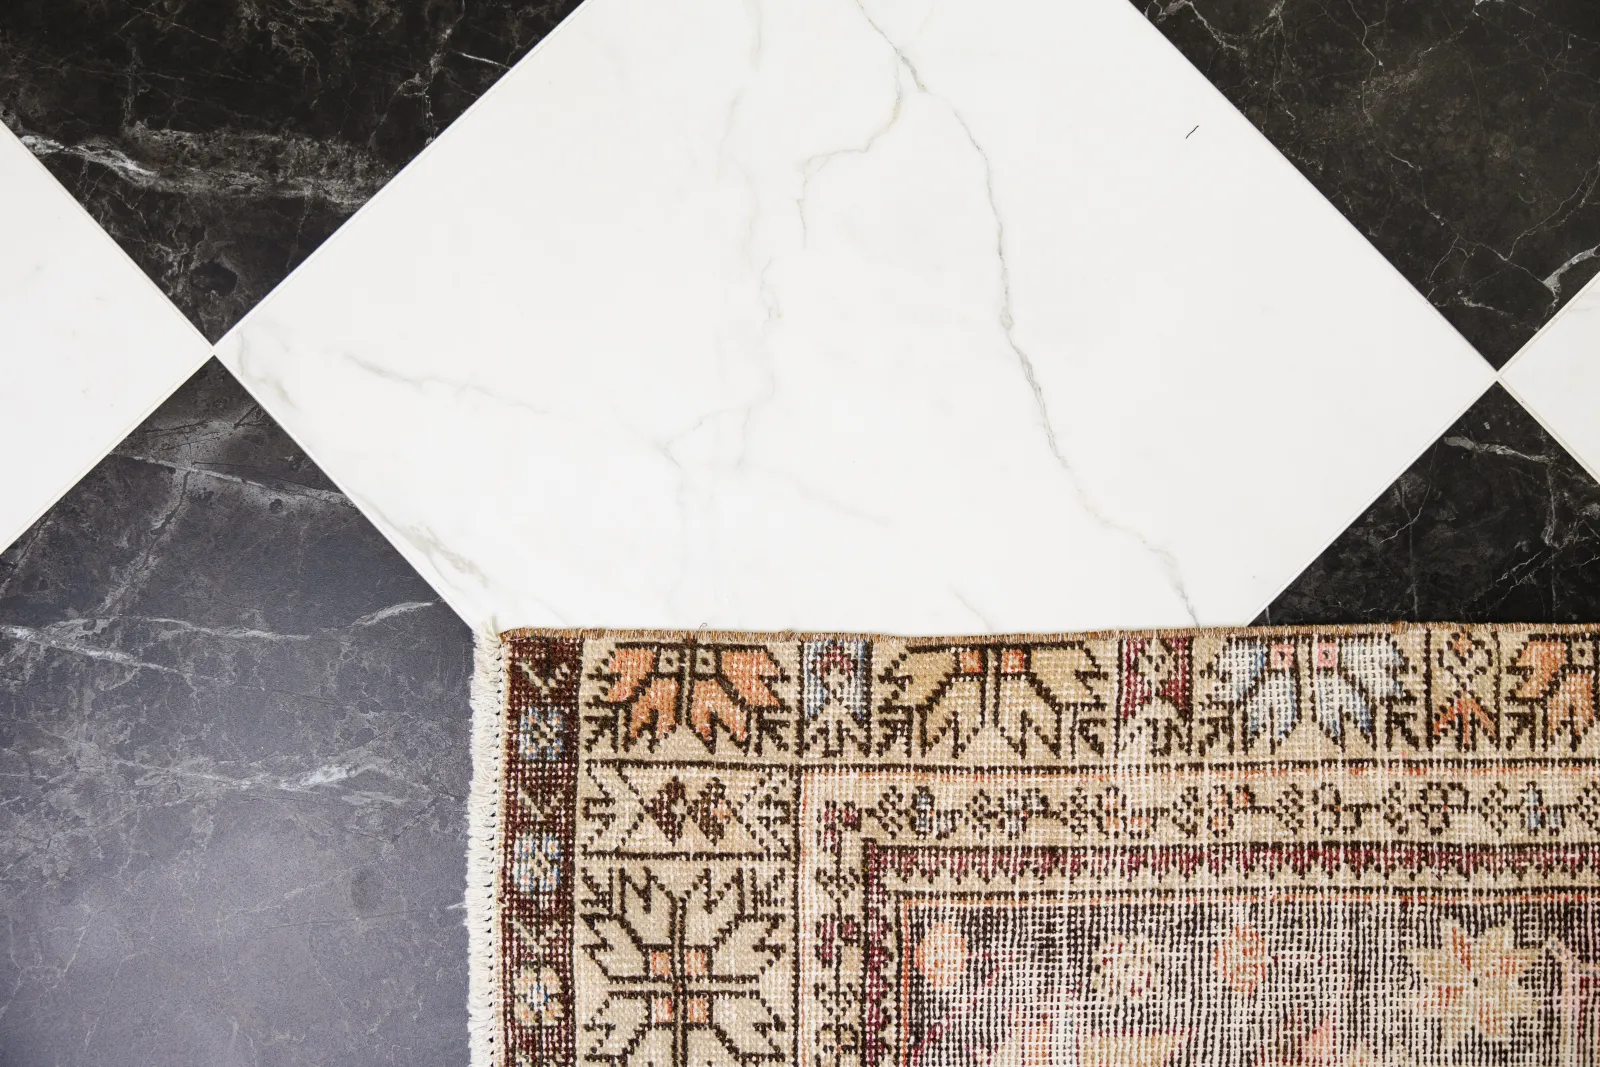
1323, 846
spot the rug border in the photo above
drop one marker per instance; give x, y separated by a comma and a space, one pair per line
484, 817
489, 696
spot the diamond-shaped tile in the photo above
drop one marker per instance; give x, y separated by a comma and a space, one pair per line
978, 316
88, 347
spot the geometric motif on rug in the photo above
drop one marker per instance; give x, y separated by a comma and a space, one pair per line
1328, 847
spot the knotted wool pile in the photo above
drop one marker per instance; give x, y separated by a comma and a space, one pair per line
1337, 846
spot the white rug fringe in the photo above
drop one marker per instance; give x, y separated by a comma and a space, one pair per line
484, 993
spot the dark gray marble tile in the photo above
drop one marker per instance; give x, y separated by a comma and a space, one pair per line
1494, 523
1461, 136
220, 142
233, 766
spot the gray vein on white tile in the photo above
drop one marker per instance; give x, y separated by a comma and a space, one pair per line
1163, 556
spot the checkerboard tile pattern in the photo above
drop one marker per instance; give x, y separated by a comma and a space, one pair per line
697, 317
890, 316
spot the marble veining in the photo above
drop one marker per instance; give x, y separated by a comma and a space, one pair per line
1557, 377
1462, 137
220, 144
88, 347
1496, 522
233, 766
855, 322
852, 314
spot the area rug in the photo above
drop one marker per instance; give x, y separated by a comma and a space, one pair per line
1341, 846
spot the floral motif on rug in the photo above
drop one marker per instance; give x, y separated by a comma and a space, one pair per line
1326, 847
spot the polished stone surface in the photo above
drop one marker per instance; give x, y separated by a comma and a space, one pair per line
221, 143
233, 766
861, 320
1494, 523
88, 347
1461, 136
233, 721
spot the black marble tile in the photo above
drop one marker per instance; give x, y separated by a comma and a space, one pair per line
234, 759
1461, 136
1496, 522
221, 142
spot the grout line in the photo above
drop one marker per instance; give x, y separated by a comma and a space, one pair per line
1549, 325
520, 66
418, 561
9, 538
1453, 419
1589, 468
105, 237
1383, 263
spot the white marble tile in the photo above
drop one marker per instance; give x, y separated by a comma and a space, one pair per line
88, 346
1557, 376
901, 316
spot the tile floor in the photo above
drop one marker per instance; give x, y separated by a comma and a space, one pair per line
234, 766
886, 315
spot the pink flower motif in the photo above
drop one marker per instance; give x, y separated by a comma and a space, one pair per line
1474, 984
1242, 959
